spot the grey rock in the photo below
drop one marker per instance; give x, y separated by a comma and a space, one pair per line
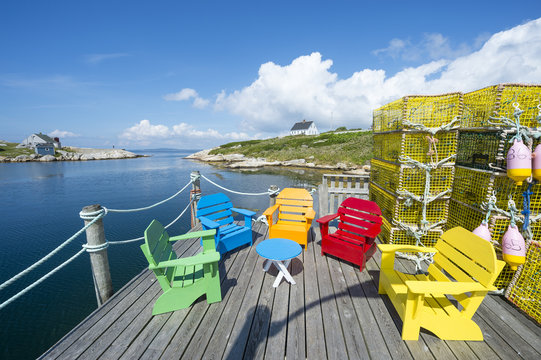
23, 158
47, 158
296, 162
85, 157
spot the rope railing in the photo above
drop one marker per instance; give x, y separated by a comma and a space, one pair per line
153, 205
98, 216
42, 279
268, 192
93, 217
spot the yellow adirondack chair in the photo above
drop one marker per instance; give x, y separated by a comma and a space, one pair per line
465, 267
295, 215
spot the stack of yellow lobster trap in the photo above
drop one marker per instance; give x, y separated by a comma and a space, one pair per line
440, 162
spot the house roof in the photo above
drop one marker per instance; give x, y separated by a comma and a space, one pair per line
45, 138
302, 125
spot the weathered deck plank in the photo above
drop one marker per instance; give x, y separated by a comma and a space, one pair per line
333, 311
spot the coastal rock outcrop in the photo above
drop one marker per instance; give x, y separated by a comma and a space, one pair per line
74, 154
240, 161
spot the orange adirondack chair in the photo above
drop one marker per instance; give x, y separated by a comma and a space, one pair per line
295, 215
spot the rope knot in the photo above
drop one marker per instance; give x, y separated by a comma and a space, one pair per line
95, 248
95, 214
195, 176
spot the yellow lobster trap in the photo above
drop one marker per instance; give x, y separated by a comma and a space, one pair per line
397, 178
400, 209
393, 235
485, 150
416, 145
430, 111
475, 187
497, 101
525, 290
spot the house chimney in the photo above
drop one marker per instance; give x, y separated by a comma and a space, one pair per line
303, 120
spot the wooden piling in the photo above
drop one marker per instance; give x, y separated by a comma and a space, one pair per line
95, 237
195, 194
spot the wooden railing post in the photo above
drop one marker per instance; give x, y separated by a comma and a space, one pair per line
195, 194
273, 193
97, 249
323, 195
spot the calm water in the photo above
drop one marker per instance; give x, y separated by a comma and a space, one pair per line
40, 206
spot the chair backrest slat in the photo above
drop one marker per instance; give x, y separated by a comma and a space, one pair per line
294, 204
205, 211
216, 207
461, 252
157, 249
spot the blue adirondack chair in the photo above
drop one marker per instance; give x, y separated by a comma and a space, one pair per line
215, 212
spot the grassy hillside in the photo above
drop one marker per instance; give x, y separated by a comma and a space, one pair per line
10, 150
354, 148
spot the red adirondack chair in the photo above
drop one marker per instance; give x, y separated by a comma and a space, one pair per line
358, 225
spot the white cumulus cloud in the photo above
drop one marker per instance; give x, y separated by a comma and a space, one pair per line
62, 134
144, 130
307, 88
188, 94
145, 133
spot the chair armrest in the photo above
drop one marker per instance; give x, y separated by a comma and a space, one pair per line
326, 219
392, 248
269, 214
443, 287
310, 214
209, 223
192, 235
271, 210
388, 253
201, 258
244, 212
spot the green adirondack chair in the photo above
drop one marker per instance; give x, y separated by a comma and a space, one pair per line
182, 280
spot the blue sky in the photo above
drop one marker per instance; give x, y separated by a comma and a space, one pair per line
196, 74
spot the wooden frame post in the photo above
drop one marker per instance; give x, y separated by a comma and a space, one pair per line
99, 261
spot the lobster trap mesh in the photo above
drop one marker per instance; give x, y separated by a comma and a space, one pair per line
415, 145
431, 111
397, 178
497, 101
389, 116
525, 292
408, 212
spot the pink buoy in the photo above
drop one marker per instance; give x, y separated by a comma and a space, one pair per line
536, 162
513, 247
483, 232
519, 162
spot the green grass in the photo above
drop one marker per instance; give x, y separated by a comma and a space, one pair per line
10, 150
327, 148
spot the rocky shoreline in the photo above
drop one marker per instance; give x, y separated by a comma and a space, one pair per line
240, 161
75, 154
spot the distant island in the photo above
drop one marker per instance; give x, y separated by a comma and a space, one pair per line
10, 153
348, 151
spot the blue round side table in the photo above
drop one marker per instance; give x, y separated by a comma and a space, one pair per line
279, 252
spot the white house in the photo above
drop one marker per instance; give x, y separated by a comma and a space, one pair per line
304, 128
35, 139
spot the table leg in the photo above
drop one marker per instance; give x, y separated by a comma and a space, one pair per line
266, 265
282, 267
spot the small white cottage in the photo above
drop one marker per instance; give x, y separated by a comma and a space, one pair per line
33, 140
304, 128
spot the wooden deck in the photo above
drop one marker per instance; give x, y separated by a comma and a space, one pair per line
334, 312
